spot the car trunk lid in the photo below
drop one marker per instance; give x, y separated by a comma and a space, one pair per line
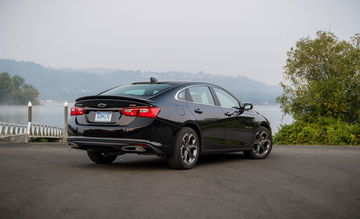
106, 110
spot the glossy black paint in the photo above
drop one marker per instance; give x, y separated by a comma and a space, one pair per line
220, 129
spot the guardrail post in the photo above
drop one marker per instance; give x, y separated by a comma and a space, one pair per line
66, 113
29, 121
29, 111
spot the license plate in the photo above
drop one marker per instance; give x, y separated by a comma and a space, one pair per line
103, 116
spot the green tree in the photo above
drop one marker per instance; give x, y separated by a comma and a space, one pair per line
322, 78
14, 90
6, 87
322, 84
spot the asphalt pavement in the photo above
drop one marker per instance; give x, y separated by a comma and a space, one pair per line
54, 181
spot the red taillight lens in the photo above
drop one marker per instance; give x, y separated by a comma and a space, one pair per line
130, 111
150, 112
76, 111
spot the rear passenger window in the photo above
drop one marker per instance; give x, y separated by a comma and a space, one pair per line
201, 94
182, 95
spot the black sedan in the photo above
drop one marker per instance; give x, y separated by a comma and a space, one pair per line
175, 120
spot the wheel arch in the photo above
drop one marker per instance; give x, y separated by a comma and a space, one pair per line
197, 129
265, 125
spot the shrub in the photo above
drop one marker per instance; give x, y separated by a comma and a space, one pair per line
325, 131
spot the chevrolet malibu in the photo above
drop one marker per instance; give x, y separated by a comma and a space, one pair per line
178, 121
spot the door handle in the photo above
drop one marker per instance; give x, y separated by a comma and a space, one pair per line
198, 111
229, 114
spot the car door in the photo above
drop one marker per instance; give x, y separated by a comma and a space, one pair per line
202, 105
239, 125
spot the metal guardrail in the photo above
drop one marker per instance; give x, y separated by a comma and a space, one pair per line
38, 130
31, 130
23, 133
8, 129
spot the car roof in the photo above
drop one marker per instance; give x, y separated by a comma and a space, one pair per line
174, 82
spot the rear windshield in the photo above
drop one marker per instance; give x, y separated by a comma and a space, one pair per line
143, 90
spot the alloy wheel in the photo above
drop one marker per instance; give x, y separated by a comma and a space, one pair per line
189, 148
262, 143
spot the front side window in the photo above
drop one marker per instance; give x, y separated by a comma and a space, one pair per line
201, 94
144, 90
225, 99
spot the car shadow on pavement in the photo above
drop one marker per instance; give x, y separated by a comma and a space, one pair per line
221, 158
146, 163
139, 162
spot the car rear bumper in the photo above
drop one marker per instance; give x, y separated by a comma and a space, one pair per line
125, 145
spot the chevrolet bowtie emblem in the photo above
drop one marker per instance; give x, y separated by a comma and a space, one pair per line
101, 105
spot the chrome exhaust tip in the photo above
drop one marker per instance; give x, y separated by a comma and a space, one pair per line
73, 145
131, 148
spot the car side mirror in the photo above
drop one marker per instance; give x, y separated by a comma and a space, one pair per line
248, 106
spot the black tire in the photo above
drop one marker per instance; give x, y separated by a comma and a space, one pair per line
101, 157
185, 154
262, 144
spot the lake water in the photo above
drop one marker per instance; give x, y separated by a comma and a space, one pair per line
53, 114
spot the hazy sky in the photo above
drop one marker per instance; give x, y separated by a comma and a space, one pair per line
247, 38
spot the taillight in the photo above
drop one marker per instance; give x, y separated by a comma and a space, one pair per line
150, 112
76, 111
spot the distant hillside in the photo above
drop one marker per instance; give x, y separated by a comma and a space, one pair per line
68, 84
